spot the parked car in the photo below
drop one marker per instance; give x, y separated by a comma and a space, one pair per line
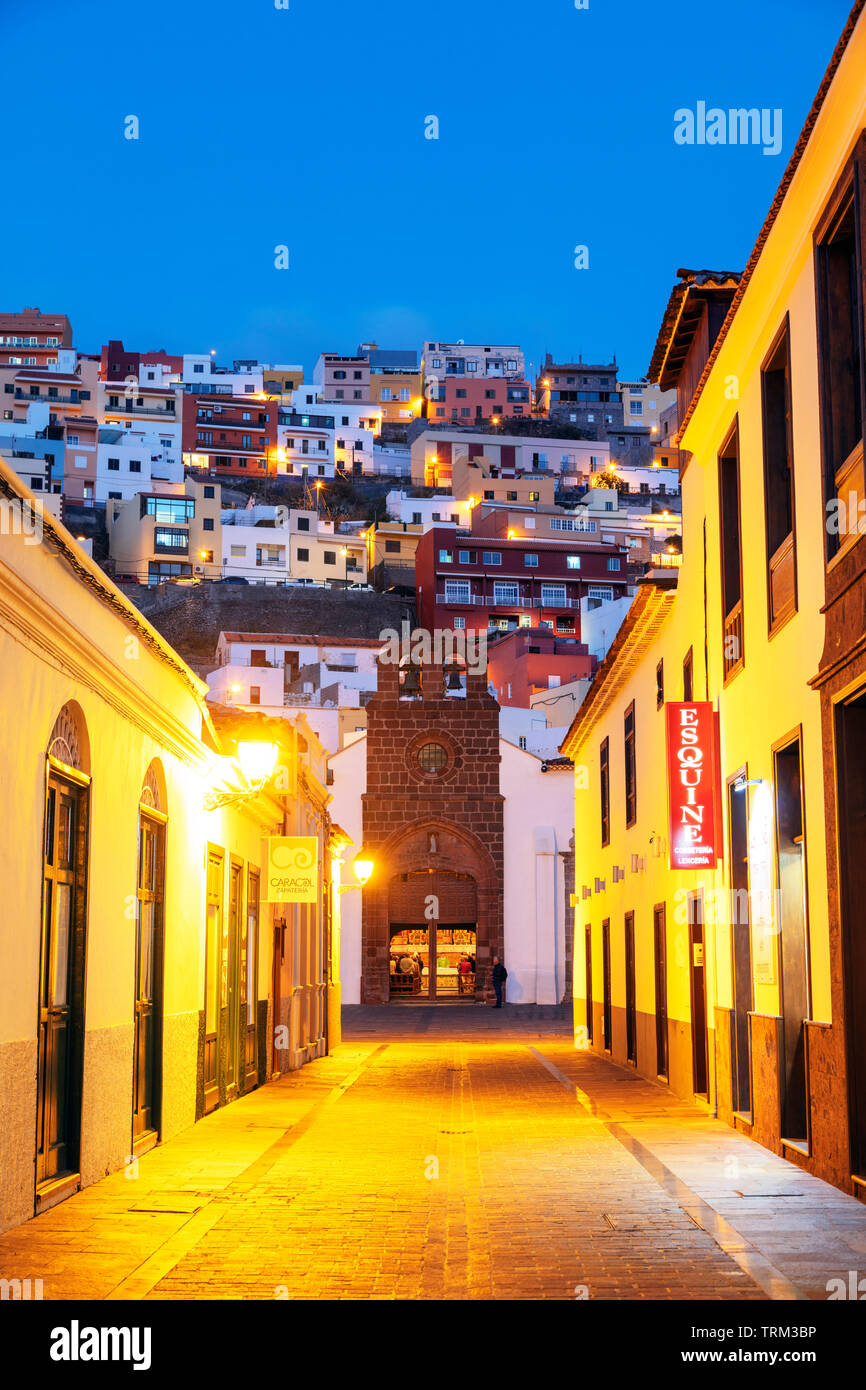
235, 579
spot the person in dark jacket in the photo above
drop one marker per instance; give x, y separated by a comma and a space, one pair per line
500, 975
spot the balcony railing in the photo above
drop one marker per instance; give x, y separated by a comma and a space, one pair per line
490, 601
49, 400
129, 409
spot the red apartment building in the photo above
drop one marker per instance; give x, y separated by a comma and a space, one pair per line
466, 580
465, 400
231, 435
117, 363
530, 659
31, 338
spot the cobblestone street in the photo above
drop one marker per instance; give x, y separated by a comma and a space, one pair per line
450, 1153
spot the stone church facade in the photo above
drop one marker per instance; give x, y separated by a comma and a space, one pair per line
432, 819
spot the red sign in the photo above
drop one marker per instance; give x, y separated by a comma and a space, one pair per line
694, 785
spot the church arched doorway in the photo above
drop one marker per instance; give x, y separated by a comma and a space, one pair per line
432, 931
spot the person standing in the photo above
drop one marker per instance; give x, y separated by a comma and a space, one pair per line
500, 975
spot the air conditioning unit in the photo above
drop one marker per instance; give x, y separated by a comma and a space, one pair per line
600, 885
638, 863
617, 874
587, 892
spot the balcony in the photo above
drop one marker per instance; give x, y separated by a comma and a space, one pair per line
489, 601
129, 409
47, 400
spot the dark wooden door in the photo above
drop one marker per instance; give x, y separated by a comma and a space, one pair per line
276, 993
605, 968
147, 1050
588, 956
61, 981
233, 986
698, 986
851, 784
793, 939
213, 947
249, 979
661, 987
630, 991
741, 944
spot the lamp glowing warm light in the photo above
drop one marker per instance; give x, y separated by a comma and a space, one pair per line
257, 760
363, 869
546, 381
511, 535
234, 688
495, 419
203, 554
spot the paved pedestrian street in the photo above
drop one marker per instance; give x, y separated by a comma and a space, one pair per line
450, 1153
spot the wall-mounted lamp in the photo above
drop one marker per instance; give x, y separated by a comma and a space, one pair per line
257, 761
363, 866
743, 782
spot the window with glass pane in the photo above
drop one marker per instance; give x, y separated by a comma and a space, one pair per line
505, 593
553, 595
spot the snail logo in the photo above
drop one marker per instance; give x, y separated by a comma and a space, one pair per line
293, 869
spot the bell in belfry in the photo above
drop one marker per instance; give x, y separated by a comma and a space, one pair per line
411, 679
454, 682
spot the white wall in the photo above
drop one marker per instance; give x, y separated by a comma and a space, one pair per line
539, 822
350, 784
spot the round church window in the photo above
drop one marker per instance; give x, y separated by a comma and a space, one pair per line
432, 757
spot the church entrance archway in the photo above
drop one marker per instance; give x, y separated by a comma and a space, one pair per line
432, 930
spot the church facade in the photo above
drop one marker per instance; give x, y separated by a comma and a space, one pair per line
470, 837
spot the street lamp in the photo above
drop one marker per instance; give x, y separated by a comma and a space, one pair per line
364, 865
344, 551
257, 762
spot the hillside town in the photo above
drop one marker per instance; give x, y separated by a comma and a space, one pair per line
347, 701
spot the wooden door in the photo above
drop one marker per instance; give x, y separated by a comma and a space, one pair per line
249, 979
630, 991
851, 801
661, 988
605, 967
232, 1013
698, 989
147, 1048
587, 946
213, 946
61, 981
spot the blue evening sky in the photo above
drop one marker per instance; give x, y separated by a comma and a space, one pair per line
305, 127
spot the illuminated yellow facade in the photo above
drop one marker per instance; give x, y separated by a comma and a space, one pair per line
137, 991
759, 943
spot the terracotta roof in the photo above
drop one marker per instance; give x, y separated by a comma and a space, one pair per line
681, 318
787, 178
303, 639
